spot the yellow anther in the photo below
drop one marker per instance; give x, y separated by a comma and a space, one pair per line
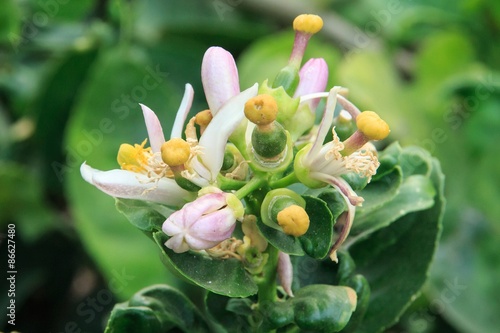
308, 23
372, 126
175, 152
294, 220
133, 158
261, 109
203, 118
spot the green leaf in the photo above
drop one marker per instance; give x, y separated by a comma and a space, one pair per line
318, 239
321, 308
379, 192
396, 259
130, 320
158, 308
221, 276
360, 285
415, 161
231, 314
415, 194
144, 215
106, 115
280, 240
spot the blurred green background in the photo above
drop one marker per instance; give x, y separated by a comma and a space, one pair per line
72, 73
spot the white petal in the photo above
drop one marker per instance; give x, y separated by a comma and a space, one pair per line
219, 76
177, 244
182, 113
216, 134
155, 132
130, 185
325, 124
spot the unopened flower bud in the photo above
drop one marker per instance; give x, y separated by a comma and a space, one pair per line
203, 223
285, 272
288, 78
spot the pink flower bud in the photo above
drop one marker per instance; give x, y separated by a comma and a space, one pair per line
313, 79
219, 76
285, 272
203, 223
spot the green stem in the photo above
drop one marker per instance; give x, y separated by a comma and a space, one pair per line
227, 184
267, 282
249, 187
285, 181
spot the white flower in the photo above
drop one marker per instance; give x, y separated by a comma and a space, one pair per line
319, 164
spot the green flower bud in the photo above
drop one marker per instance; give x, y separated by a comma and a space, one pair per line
279, 156
288, 78
270, 142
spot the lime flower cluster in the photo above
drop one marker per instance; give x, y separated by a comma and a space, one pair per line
259, 140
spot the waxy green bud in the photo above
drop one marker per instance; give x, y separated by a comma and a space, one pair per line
269, 143
288, 78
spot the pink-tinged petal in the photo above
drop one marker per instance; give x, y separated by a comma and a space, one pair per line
174, 224
203, 205
340, 184
177, 244
285, 272
216, 226
326, 122
155, 131
183, 111
348, 106
198, 244
130, 185
313, 79
219, 76
345, 221
215, 137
